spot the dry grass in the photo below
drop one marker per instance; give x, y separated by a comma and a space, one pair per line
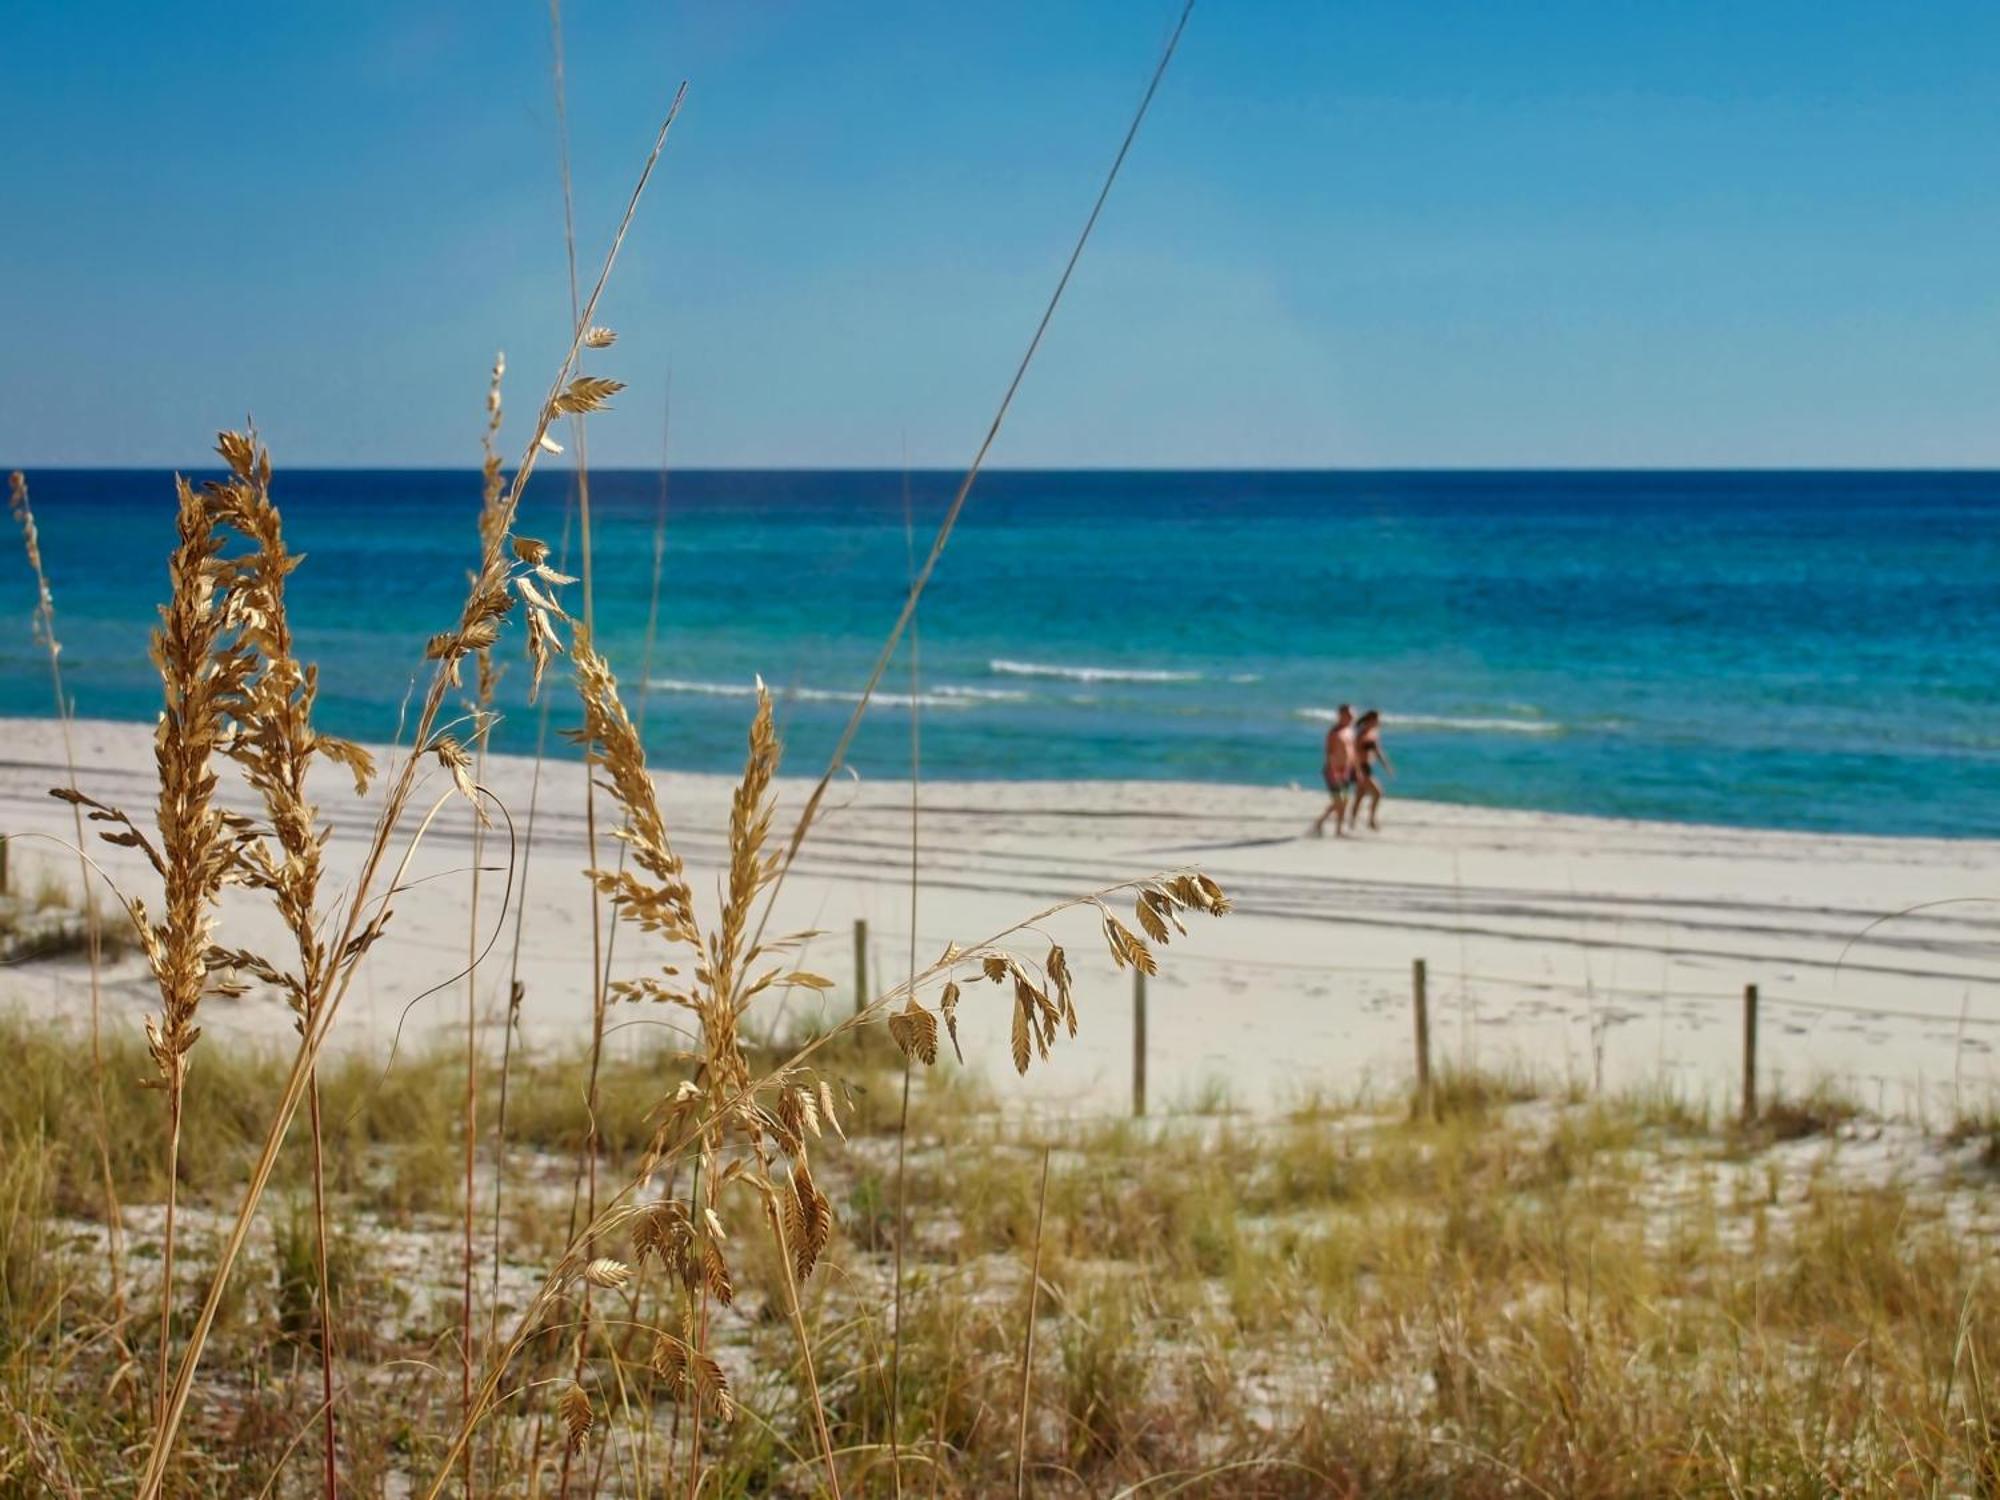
95, 940
1529, 1296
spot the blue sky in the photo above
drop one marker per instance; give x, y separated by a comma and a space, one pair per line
1351, 234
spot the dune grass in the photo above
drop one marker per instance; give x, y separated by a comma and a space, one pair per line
1526, 1295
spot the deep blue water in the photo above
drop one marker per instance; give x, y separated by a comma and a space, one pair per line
1811, 650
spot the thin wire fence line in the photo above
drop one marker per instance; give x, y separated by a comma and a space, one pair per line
1402, 970
1457, 987
1718, 997
1637, 992
1370, 1095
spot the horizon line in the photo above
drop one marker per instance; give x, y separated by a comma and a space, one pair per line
959, 470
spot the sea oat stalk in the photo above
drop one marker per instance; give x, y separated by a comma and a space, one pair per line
198, 842
588, 1149
492, 534
516, 990
949, 523
658, 899
45, 633
791, 1103
366, 913
274, 743
722, 971
903, 1116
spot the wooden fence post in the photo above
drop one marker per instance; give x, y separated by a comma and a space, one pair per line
1420, 996
3, 864
1138, 1042
860, 964
1749, 1054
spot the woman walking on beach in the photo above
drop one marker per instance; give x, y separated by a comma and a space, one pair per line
1368, 754
1339, 770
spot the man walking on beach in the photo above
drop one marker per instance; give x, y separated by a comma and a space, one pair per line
1340, 772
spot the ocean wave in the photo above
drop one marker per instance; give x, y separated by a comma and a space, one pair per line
1004, 668
1473, 725
945, 696
707, 689
1448, 722
981, 695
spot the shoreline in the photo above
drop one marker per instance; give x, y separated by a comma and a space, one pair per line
1607, 950
1088, 789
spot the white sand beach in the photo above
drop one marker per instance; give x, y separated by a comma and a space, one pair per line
1579, 947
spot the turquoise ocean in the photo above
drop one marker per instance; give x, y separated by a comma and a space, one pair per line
1798, 650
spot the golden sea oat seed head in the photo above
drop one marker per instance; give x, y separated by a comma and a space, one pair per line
1217, 904
714, 1387
914, 1031
663, 1230
827, 1110
680, 1366
577, 1418
1160, 900
669, 1361
715, 1272
607, 1273
44, 619
238, 452
948, 1007
1056, 966
797, 1113
537, 598
453, 757
1040, 1011
587, 393
808, 1219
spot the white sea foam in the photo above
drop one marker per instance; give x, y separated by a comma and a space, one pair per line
707, 689
1448, 722
981, 695
1004, 668
945, 696
1473, 725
